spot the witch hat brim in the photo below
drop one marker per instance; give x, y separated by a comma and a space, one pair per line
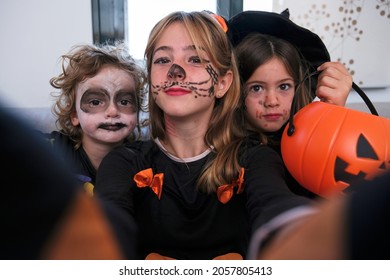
279, 25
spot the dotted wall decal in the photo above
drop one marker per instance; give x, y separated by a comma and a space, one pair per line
343, 26
383, 7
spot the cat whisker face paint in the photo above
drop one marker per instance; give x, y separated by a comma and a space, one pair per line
176, 74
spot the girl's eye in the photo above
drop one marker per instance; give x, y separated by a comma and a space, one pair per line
285, 87
126, 99
256, 89
127, 106
126, 103
195, 59
95, 102
161, 60
93, 98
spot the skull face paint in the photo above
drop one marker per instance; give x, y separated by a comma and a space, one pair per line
106, 106
98, 101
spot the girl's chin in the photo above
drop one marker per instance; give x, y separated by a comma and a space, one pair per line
271, 129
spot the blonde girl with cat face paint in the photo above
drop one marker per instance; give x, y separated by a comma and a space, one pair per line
198, 188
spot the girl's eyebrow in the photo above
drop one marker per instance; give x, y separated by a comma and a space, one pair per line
259, 81
255, 82
162, 48
168, 48
286, 80
190, 47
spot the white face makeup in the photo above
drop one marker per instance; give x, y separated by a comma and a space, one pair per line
270, 91
106, 106
96, 100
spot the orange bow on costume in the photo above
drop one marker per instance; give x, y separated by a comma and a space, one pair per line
225, 192
145, 178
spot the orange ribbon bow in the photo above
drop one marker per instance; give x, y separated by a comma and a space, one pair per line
225, 192
145, 178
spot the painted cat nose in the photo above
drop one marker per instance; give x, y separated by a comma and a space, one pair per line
176, 72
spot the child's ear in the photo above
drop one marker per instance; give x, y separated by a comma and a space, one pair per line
224, 84
74, 119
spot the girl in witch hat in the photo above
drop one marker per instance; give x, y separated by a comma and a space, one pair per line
278, 60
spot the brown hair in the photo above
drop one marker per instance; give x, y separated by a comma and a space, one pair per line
257, 49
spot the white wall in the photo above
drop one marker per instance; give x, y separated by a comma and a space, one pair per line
34, 34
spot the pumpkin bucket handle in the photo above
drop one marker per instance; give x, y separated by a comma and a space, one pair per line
291, 127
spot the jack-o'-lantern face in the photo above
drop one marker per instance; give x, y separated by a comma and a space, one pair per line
367, 163
333, 147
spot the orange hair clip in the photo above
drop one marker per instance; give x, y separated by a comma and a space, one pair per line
219, 19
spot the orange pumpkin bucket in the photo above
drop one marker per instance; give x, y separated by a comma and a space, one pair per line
332, 146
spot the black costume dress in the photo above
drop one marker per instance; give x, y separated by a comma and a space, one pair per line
186, 223
274, 142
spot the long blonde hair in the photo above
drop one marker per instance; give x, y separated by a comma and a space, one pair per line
223, 132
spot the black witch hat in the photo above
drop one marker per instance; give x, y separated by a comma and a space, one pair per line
308, 43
